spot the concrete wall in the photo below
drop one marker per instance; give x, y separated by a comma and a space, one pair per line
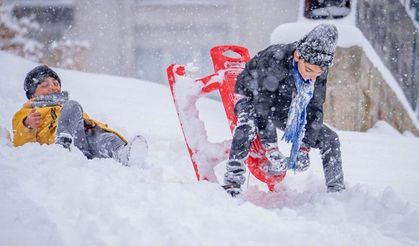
358, 95
395, 38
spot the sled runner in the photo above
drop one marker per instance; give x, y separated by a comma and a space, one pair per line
186, 91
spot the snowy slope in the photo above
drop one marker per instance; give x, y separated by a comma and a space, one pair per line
53, 197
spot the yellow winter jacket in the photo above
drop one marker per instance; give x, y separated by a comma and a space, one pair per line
45, 134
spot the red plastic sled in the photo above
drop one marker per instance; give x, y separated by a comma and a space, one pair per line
186, 91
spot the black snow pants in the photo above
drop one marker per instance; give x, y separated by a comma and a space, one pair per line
250, 124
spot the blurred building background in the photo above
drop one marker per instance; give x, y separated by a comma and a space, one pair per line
55, 17
140, 38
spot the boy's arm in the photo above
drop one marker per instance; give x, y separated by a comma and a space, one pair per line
246, 82
246, 86
245, 78
21, 133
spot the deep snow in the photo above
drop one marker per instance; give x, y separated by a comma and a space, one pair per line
53, 197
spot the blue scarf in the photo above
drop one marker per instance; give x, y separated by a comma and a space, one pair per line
295, 129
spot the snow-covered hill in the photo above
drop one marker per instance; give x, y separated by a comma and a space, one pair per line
53, 197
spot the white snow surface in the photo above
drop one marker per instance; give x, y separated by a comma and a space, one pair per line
50, 196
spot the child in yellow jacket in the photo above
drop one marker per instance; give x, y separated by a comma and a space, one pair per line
50, 117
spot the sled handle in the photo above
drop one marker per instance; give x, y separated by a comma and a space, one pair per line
209, 82
222, 61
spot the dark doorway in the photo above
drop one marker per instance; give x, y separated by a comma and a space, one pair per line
326, 9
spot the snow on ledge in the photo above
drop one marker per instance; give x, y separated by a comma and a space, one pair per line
349, 35
44, 3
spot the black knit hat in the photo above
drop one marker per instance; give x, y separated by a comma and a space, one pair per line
36, 76
319, 45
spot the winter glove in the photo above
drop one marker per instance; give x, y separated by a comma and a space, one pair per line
277, 161
303, 159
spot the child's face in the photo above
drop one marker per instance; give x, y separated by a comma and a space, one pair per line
307, 70
48, 86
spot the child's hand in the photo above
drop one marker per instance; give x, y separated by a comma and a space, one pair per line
33, 121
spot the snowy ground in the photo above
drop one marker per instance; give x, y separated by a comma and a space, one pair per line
53, 197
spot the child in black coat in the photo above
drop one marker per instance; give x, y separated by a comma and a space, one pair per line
284, 86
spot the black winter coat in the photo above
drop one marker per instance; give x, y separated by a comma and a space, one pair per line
267, 79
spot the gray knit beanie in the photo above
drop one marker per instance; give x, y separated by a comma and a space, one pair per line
319, 45
36, 76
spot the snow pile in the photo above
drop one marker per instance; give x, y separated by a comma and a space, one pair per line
187, 92
50, 196
383, 127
